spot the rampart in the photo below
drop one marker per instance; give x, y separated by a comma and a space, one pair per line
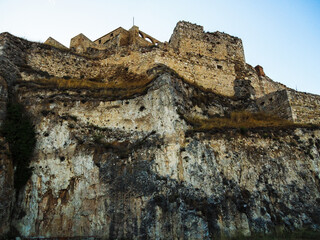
52, 42
289, 104
305, 107
213, 61
276, 103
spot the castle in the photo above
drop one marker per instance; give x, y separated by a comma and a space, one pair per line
140, 139
214, 61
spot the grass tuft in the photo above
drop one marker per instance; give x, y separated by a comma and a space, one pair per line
119, 78
242, 120
119, 84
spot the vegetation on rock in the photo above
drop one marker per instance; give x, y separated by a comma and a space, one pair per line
242, 120
20, 134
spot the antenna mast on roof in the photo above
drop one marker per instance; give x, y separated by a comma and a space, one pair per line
133, 21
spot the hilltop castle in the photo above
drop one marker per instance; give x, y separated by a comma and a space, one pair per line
142, 139
214, 61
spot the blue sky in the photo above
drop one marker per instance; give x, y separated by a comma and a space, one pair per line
282, 36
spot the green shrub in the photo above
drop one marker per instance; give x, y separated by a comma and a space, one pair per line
20, 134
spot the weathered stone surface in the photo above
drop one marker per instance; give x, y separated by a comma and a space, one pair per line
276, 103
126, 169
7, 192
129, 165
260, 71
52, 42
6, 166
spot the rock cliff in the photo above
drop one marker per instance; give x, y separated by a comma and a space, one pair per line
130, 146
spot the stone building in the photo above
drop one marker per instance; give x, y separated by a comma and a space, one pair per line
112, 40
127, 146
214, 61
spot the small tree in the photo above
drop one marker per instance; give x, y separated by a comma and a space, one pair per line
19, 132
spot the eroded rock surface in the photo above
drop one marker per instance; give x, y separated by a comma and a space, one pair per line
126, 163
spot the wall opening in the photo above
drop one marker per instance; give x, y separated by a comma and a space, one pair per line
149, 40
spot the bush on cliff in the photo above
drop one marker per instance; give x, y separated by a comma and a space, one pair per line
19, 132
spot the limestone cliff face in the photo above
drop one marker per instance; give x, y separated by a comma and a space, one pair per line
6, 166
7, 189
127, 163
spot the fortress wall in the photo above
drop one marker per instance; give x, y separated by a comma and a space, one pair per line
115, 42
269, 85
276, 103
192, 42
305, 107
102, 40
190, 39
52, 42
119, 38
252, 75
262, 84
212, 74
80, 43
61, 64
215, 75
289, 104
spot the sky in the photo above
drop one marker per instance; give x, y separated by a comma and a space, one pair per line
283, 36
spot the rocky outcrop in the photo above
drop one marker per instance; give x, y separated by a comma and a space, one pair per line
131, 169
7, 191
6, 165
120, 156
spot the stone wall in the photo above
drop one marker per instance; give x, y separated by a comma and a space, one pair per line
211, 74
190, 39
211, 60
276, 103
59, 64
223, 51
81, 44
133, 167
289, 104
52, 42
262, 84
106, 38
217, 76
112, 41
305, 107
